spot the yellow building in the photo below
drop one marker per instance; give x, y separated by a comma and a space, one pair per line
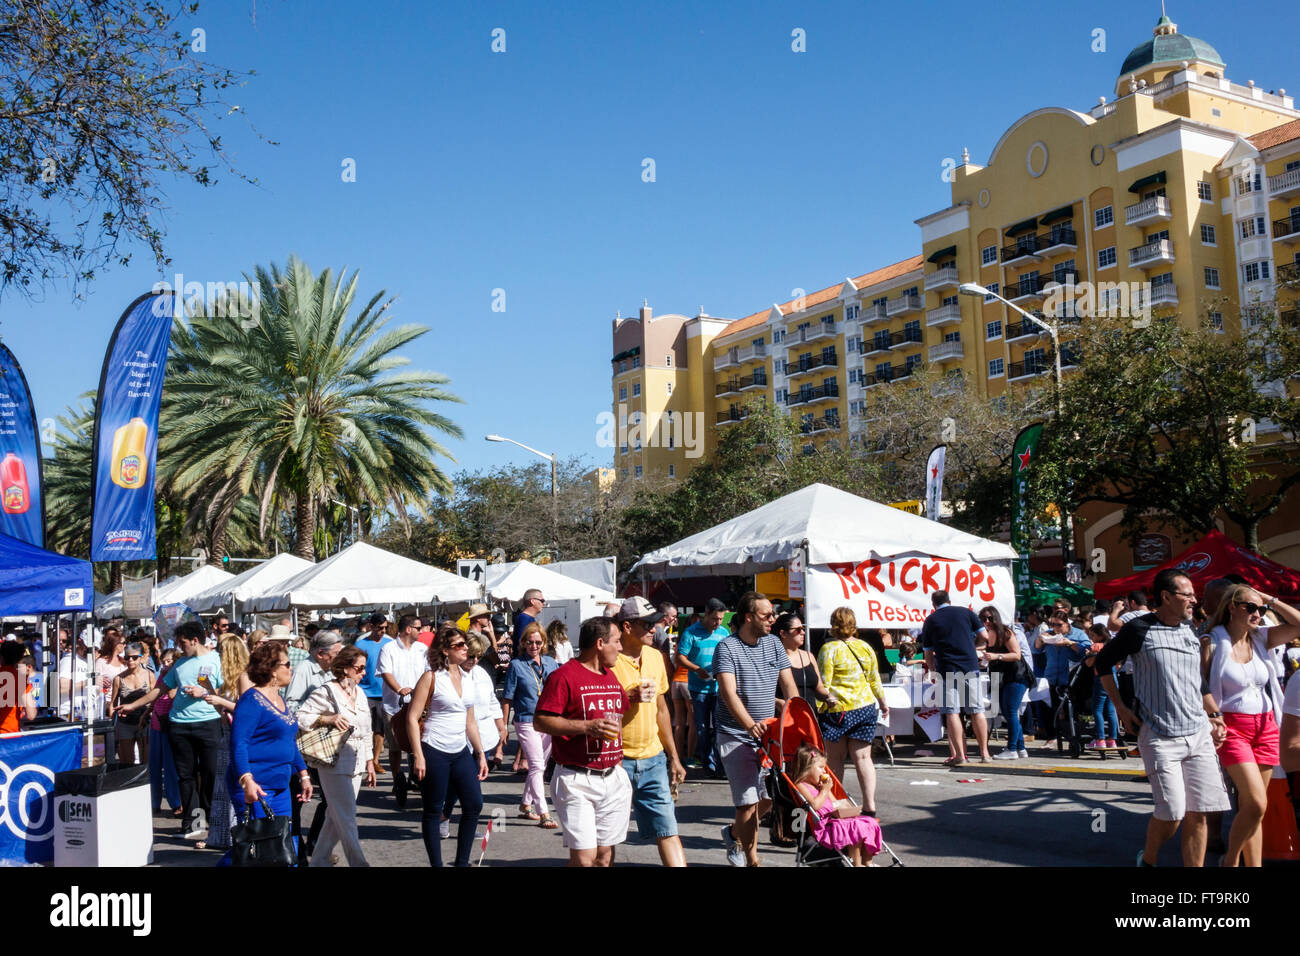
1180, 194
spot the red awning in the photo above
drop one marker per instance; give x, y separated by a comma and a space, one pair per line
1214, 556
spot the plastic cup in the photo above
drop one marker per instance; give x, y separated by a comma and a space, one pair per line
648, 688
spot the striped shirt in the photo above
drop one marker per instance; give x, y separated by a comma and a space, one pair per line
757, 671
1167, 680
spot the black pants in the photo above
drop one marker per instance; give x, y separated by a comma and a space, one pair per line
306, 845
194, 752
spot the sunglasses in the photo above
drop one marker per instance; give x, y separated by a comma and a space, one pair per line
282, 664
1251, 608
457, 646
132, 657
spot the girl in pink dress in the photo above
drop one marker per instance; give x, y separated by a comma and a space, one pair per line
837, 824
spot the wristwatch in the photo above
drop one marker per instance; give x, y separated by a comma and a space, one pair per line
1216, 715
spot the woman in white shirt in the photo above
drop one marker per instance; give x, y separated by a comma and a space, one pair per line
342, 703
1243, 681
487, 711
557, 636
449, 743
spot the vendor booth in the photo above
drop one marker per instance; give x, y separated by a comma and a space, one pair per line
567, 599
1214, 556
233, 594
36, 581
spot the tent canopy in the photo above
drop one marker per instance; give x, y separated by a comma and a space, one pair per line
254, 582
836, 526
196, 582
509, 581
363, 575
36, 581
1212, 557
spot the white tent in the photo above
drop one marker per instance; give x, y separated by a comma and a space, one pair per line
196, 582
846, 550
509, 581
110, 605
602, 572
363, 575
257, 580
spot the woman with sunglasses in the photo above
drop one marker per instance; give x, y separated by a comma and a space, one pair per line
450, 747
1243, 681
1006, 658
132, 728
803, 666
342, 704
524, 680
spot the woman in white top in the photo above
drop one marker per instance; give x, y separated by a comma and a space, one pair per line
557, 636
342, 703
449, 742
1243, 681
487, 711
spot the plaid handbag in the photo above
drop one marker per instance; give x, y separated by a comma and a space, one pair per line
320, 746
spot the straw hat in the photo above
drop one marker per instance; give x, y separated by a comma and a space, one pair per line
280, 632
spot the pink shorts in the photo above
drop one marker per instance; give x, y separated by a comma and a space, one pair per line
1252, 738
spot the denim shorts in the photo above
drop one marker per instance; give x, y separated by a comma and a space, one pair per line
652, 798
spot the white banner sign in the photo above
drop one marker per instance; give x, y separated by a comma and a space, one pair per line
137, 596
795, 571
894, 592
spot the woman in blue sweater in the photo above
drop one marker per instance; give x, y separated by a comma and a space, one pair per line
263, 737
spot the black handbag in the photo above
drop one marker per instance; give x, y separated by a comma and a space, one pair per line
263, 841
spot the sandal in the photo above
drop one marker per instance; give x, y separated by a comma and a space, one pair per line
526, 811
547, 823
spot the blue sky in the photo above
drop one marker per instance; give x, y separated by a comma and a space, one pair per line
521, 170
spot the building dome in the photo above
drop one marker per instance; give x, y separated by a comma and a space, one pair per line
1167, 45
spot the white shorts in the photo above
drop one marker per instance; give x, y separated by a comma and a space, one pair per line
1184, 773
593, 810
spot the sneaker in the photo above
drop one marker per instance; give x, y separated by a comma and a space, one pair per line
195, 834
1097, 745
735, 855
1142, 862
1007, 755
1112, 743
1024, 755
444, 829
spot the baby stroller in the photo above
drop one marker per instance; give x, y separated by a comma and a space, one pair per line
1076, 702
791, 807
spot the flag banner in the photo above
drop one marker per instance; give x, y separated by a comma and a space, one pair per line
126, 431
894, 591
1023, 452
22, 504
934, 481
28, 763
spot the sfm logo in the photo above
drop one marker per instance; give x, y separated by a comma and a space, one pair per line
76, 811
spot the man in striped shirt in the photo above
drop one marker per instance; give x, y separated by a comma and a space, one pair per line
1180, 724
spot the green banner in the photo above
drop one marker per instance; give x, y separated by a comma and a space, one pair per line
1022, 459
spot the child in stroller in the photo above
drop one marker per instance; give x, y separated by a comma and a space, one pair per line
836, 824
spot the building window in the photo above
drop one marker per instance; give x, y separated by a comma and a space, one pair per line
852, 311
993, 288
638, 471
881, 301
637, 446
997, 367
668, 360
993, 330
669, 386
1103, 217
989, 255
1208, 237
622, 366
1205, 192
622, 393
1106, 257
781, 395
1211, 278
672, 471
950, 300
914, 290
672, 441
1216, 321
636, 361
636, 389
1254, 271
778, 366
1165, 278
853, 376
622, 449
1255, 226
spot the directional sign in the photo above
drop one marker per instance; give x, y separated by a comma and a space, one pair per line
473, 568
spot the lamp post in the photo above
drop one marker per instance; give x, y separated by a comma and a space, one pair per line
356, 514
552, 459
974, 288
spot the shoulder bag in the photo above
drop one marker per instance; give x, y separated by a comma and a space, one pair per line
263, 841
320, 746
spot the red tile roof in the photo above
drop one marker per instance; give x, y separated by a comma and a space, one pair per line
1276, 136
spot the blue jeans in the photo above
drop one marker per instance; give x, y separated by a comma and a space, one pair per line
652, 799
705, 734
1103, 707
1009, 699
444, 773
162, 772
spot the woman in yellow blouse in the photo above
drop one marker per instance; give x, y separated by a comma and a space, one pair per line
849, 669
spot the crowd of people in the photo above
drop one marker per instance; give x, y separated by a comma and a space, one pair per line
606, 730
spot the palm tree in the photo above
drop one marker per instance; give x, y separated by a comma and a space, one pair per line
68, 484
302, 402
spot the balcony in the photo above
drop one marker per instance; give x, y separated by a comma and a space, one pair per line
1289, 317
1287, 230
1024, 329
1029, 287
1032, 248
1019, 370
871, 314
879, 343
880, 378
818, 425
905, 339
944, 315
1151, 254
1284, 184
1067, 313
806, 396
902, 305
813, 333
946, 352
750, 382
1164, 294
943, 277
1289, 272
1071, 355
732, 416
739, 356
729, 387
1155, 209
808, 363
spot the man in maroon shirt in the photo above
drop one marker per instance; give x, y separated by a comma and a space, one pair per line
582, 708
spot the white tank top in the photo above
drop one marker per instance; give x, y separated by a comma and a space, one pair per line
1244, 686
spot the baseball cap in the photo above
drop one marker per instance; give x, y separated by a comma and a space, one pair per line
639, 609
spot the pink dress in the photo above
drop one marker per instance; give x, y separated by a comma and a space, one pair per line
841, 832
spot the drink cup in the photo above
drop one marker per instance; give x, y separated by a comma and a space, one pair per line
617, 718
648, 688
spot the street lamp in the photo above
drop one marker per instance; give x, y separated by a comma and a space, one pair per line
550, 458
974, 288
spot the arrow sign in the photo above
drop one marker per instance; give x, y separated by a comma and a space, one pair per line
473, 568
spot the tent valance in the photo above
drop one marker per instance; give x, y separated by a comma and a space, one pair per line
36, 581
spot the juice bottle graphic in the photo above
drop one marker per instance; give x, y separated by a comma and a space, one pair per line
129, 466
13, 485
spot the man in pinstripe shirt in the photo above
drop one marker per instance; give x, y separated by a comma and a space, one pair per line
1180, 723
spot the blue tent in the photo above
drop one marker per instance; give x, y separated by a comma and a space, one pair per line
36, 581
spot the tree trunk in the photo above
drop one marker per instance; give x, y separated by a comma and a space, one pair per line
114, 576
304, 529
1250, 529
218, 541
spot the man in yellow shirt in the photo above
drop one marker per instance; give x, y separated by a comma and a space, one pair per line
649, 754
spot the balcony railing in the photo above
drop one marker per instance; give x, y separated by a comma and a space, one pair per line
880, 342
739, 355
806, 395
818, 425
1284, 184
1022, 330
1289, 317
1046, 244
949, 314
1026, 288
807, 363
1288, 229
905, 339
902, 304
732, 416
1028, 369
1164, 294
871, 314
943, 277
895, 372
729, 386
757, 380
813, 333
1289, 272
1155, 209
1151, 254
946, 351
